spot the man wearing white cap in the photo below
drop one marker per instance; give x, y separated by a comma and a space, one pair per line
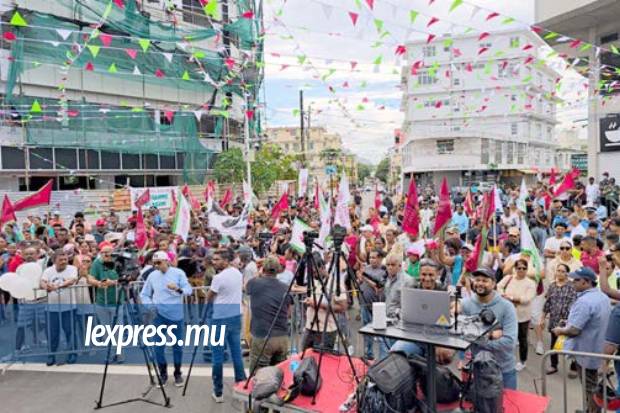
165, 288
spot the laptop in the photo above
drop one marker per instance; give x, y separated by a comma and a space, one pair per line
426, 307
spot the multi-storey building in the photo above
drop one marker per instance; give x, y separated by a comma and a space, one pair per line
477, 109
98, 94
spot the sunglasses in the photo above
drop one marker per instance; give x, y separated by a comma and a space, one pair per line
157, 262
565, 248
521, 268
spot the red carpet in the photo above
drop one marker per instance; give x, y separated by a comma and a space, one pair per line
339, 383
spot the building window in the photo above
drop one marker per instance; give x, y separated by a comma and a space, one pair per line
514, 42
514, 128
484, 151
521, 153
456, 81
424, 78
498, 152
513, 98
445, 146
487, 45
510, 152
194, 14
549, 133
310, 146
429, 51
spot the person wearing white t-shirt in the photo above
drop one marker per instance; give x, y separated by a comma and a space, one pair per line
592, 191
575, 226
225, 294
552, 245
60, 306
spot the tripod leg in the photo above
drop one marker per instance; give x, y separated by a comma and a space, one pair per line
191, 364
107, 359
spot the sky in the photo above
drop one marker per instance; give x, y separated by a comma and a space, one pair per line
312, 45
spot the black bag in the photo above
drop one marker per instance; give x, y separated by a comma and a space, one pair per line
391, 383
448, 386
486, 384
304, 380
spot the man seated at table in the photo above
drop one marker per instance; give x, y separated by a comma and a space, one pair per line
429, 280
503, 339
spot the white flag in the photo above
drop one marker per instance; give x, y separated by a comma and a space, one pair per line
302, 183
342, 206
499, 207
528, 246
522, 197
326, 217
182, 219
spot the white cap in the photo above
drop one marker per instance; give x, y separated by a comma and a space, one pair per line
366, 228
160, 256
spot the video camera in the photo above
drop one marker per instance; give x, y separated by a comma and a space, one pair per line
380, 283
338, 234
126, 264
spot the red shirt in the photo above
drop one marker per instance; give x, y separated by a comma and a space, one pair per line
591, 260
15, 262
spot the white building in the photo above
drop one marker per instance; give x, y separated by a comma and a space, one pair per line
477, 109
592, 22
27, 162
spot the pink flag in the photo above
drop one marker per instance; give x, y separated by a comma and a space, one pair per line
377, 198
140, 230
567, 183
193, 202
280, 207
143, 198
411, 220
316, 195
41, 197
8, 211
228, 197
444, 210
173, 208
353, 17
553, 177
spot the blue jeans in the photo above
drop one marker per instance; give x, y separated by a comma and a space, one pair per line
56, 320
408, 348
177, 350
232, 339
368, 340
510, 379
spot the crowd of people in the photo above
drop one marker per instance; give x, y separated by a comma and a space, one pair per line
570, 294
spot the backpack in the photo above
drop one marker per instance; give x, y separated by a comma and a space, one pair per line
486, 384
390, 386
304, 380
448, 386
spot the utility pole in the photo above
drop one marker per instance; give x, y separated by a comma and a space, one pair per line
301, 128
246, 132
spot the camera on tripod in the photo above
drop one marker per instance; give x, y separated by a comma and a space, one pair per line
126, 264
338, 234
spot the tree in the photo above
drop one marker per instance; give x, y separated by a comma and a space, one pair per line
229, 167
364, 170
383, 170
269, 166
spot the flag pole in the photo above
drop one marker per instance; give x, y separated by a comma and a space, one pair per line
494, 231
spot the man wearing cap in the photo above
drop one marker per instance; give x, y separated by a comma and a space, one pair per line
585, 328
503, 340
100, 230
164, 289
267, 296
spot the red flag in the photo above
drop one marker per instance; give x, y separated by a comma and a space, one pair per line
553, 177
411, 220
140, 236
194, 203
8, 211
488, 207
377, 198
228, 197
280, 207
444, 210
468, 204
41, 197
567, 183
475, 259
173, 208
210, 191
143, 198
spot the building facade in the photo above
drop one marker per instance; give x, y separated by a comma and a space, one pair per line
139, 102
473, 116
593, 22
321, 150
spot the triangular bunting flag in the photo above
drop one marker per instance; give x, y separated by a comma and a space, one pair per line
112, 68
210, 9
168, 57
36, 107
136, 71
159, 73
132, 53
371, 3
455, 4
18, 20
144, 43
89, 66
185, 75
106, 39
64, 33
412, 16
94, 50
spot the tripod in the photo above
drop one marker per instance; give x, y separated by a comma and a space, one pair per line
122, 302
307, 266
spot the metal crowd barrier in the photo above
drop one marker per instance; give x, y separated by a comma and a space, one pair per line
564, 354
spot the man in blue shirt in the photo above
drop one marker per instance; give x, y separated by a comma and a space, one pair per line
164, 289
585, 328
461, 221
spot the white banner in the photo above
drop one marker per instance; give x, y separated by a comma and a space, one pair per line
182, 220
342, 206
234, 227
160, 197
302, 183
